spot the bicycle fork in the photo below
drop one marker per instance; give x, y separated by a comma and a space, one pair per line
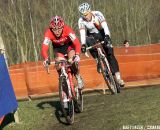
102, 56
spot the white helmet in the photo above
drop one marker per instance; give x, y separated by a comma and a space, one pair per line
84, 7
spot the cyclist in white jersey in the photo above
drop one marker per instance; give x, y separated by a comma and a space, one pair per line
93, 27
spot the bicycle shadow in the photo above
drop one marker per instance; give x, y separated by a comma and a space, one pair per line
58, 110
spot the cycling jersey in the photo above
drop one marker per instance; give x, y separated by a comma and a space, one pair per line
96, 24
67, 40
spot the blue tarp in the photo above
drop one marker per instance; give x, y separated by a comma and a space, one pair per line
8, 102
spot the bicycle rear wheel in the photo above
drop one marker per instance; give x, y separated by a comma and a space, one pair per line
108, 77
67, 103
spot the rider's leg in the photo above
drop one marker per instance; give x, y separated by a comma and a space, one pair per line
75, 69
112, 60
59, 57
91, 41
59, 53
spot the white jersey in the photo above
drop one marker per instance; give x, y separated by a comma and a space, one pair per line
97, 23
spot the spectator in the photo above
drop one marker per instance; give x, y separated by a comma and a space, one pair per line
126, 43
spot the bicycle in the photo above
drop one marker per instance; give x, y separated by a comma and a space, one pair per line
109, 78
71, 98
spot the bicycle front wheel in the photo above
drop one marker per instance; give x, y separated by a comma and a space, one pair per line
117, 86
78, 100
108, 77
67, 104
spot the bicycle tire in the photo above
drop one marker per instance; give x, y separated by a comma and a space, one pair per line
108, 77
70, 114
69, 111
117, 86
78, 100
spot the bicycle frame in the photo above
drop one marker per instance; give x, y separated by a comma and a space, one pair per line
70, 99
102, 56
69, 78
68, 75
106, 71
99, 48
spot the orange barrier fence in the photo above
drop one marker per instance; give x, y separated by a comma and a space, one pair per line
146, 49
136, 63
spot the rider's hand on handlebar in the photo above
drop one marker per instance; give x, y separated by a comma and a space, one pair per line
83, 48
76, 58
107, 40
46, 62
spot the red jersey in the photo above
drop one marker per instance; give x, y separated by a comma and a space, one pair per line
68, 35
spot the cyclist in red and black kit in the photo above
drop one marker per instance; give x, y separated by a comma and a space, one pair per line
64, 41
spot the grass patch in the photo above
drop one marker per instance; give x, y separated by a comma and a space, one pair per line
139, 106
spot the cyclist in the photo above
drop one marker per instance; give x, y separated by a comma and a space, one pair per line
93, 27
64, 41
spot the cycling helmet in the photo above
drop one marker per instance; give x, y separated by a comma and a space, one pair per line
57, 22
84, 8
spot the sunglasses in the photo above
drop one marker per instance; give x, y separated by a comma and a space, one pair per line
57, 28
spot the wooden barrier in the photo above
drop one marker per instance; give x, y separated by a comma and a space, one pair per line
137, 63
134, 50
18, 79
140, 70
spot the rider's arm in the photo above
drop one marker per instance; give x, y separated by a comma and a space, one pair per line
103, 22
105, 27
76, 43
45, 47
82, 31
74, 40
